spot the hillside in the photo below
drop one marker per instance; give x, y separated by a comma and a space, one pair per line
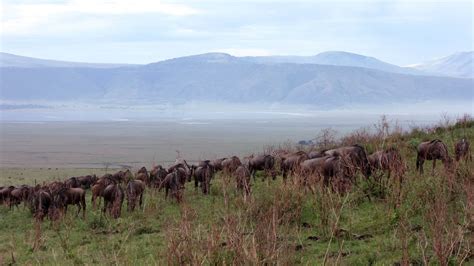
455, 65
224, 78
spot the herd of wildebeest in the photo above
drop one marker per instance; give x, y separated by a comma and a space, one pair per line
335, 168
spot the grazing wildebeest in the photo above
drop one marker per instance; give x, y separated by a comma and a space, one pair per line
262, 162
143, 175
5, 194
174, 181
184, 166
122, 176
312, 169
113, 200
87, 181
242, 178
41, 203
18, 195
291, 162
55, 186
336, 168
71, 196
72, 182
316, 154
217, 164
99, 187
354, 159
157, 174
135, 189
202, 174
229, 165
462, 150
388, 160
432, 150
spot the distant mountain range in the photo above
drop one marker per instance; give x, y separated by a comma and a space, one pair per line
330, 79
456, 65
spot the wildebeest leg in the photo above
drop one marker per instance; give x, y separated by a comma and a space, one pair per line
141, 201
434, 165
419, 165
84, 207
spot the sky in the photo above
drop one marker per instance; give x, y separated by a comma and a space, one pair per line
401, 32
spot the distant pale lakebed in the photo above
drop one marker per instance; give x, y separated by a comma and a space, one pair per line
127, 143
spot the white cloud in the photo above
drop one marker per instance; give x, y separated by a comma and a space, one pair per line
27, 18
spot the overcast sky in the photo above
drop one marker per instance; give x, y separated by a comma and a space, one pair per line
141, 31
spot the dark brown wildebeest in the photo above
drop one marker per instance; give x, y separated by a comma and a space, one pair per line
174, 181
5, 194
143, 175
242, 178
87, 181
41, 203
229, 165
316, 154
99, 187
135, 189
157, 174
202, 174
184, 166
290, 163
432, 150
122, 176
18, 195
265, 163
462, 150
55, 186
353, 158
389, 160
113, 200
71, 196
72, 182
311, 170
217, 164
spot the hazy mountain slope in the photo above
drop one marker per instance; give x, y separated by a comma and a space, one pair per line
11, 60
223, 78
456, 65
336, 58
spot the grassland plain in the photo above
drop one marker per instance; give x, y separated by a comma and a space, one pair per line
428, 221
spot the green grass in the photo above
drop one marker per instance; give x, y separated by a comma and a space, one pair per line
147, 236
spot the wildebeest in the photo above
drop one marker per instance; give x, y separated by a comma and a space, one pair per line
143, 175
41, 203
202, 174
353, 159
316, 154
184, 166
122, 176
113, 200
71, 196
262, 162
99, 187
462, 150
229, 165
87, 181
72, 182
157, 174
217, 164
174, 181
242, 178
432, 150
18, 195
312, 169
135, 189
389, 160
291, 163
5, 194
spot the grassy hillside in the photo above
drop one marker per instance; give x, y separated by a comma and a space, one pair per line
428, 220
